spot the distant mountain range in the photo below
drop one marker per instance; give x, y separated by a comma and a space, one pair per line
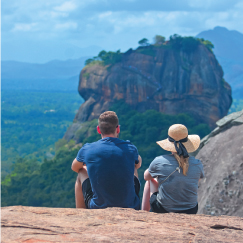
52, 76
228, 48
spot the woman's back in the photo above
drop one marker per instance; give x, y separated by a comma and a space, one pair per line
177, 192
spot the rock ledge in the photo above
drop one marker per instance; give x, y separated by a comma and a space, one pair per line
29, 224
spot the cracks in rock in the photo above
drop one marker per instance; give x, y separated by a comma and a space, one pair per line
220, 227
29, 227
45, 213
94, 224
36, 233
96, 74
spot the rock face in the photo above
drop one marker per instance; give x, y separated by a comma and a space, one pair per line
167, 80
221, 191
29, 224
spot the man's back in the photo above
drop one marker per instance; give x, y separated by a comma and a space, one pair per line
110, 165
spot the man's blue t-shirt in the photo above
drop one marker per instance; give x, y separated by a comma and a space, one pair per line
110, 164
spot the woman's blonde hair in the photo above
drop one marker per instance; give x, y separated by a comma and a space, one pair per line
183, 162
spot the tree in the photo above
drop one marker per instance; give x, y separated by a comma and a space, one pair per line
176, 40
159, 40
207, 43
189, 44
88, 61
102, 54
143, 42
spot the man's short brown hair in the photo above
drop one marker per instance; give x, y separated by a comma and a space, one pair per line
108, 122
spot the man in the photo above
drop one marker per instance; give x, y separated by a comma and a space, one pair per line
107, 169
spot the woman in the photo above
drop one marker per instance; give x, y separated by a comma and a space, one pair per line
172, 180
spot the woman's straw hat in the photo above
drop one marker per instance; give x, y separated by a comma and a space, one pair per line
178, 132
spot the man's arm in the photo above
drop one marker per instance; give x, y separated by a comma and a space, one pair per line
138, 165
76, 165
147, 176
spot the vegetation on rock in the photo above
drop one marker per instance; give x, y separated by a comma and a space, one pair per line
177, 42
143, 42
159, 40
105, 58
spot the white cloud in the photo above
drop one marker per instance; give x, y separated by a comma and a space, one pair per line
66, 26
199, 3
66, 7
46, 15
24, 27
105, 15
239, 5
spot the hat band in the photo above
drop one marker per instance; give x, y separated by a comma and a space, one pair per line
181, 150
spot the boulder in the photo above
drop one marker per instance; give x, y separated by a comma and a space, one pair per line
30, 224
221, 152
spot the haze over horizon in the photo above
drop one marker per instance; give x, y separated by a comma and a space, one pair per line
38, 32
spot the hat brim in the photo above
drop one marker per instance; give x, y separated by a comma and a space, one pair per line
191, 145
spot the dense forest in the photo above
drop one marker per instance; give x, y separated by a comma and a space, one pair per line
32, 122
51, 183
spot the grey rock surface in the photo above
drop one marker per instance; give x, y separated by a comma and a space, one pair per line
221, 152
223, 124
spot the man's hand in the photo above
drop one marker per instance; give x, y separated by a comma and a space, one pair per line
138, 165
76, 165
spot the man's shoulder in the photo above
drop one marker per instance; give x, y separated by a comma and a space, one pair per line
126, 142
129, 144
87, 146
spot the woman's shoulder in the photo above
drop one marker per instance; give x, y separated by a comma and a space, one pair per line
168, 158
193, 160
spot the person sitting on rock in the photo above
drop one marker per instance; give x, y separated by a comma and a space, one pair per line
167, 188
107, 169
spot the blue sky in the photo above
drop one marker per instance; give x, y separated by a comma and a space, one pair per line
40, 31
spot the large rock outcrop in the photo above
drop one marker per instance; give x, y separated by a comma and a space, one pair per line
29, 224
167, 80
221, 152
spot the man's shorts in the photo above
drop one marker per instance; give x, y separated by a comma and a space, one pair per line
88, 194
156, 207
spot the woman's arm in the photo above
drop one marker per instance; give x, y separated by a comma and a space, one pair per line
150, 187
147, 175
